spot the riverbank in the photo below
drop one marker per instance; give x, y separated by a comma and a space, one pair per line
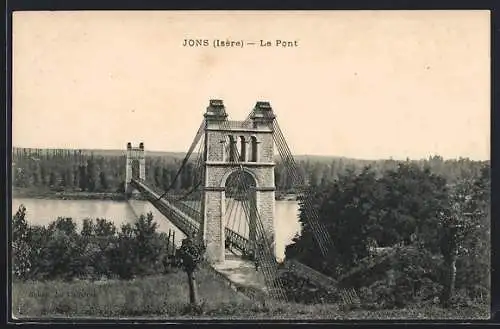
71, 195
84, 195
166, 297
166, 294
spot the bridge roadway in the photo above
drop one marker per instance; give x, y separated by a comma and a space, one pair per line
240, 272
237, 270
185, 217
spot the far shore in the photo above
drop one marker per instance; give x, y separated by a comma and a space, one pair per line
84, 195
70, 195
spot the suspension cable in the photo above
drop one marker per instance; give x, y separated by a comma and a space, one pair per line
293, 175
267, 258
199, 133
196, 169
322, 236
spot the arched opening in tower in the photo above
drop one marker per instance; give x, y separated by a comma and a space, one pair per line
240, 204
135, 169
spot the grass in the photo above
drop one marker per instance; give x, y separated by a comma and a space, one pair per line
166, 297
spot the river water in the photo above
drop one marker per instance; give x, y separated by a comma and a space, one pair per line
44, 211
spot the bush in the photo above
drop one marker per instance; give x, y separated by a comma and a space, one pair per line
20, 245
411, 277
358, 209
400, 207
302, 290
58, 251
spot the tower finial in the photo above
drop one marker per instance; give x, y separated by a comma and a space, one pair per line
216, 110
263, 111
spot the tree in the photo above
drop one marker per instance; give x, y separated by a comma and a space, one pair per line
191, 255
357, 208
76, 177
20, 178
36, 178
158, 176
97, 242
166, 179
91, 175
20, 244
82, 177
465, 231
62, 249
52, 179
412, 198
64, 180
315, 175
68, 178
123, 256
43, 174
138, 247
103, 180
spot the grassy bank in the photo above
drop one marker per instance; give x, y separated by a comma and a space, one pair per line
166, 297
160, 295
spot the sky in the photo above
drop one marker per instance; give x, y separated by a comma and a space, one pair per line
360, 84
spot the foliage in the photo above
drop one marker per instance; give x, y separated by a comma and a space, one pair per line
433, 211
190, 255
80, 170
303, 290
466, 235
20, 244
430, 226
409, 277
359, 210
59, 251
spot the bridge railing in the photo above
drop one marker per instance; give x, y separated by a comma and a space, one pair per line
184, 225
185, 208
238, 241
177, 211
188, 210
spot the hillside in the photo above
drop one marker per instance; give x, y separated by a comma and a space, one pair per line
181, 155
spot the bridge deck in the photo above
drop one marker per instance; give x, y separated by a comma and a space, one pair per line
186, 218
238, 270
241, 272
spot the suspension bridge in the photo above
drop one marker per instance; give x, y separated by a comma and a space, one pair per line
230, 209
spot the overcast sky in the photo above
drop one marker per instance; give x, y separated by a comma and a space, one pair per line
360, 84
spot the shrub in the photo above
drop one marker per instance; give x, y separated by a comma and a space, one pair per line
20, 245
58, 251
413, 277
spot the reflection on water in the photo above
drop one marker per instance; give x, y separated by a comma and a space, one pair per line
43, 211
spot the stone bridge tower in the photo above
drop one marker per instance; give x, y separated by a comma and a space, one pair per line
135, 166
254, 139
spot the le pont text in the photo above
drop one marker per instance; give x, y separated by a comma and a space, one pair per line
228, 43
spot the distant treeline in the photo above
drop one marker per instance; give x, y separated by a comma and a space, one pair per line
98, 171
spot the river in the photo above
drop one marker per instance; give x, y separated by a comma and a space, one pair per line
44, 211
